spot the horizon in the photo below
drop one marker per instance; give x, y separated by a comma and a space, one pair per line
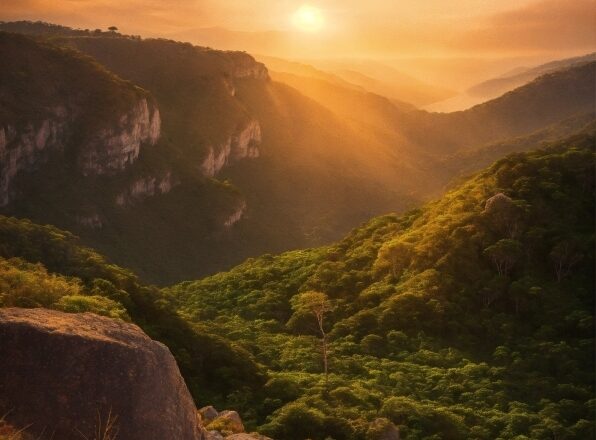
378, 30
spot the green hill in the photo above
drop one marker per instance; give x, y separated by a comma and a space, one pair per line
471, 317
42, 266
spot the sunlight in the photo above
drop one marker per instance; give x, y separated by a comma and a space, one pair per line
308, 19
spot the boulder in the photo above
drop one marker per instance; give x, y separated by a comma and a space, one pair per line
208, 414
498, 203
66, 375
244, 436
213, 435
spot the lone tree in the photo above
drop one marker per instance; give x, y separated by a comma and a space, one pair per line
113, 29
317, 304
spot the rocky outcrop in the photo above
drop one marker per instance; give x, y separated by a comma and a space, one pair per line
243, 143
245, 66
63, 375
90, 221
28, 147
235, 216
116, 146
108, 149
225, 425
145, 187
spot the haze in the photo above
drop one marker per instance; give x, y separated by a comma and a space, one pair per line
457, 43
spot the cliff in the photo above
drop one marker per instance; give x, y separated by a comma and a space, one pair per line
243, 143
145, 187
114, 147
77, 113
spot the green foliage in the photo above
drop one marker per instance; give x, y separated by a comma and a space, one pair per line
42, 266
464, 319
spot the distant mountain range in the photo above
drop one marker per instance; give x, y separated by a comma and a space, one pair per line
495, 87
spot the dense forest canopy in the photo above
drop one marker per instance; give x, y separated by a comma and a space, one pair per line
471, 317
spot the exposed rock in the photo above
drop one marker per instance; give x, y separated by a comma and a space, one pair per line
497, 203
235, 216
26, 148
504, 214
61, 372
208, 414
227, 423
113, 148
243, 143
244, 436
245, 66
91, 221
213, 435
109, 149
145, 187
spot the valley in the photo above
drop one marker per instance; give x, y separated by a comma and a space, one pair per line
298, 242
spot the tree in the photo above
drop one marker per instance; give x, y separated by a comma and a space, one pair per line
504, 254
317, 304
396, 255
113, 29
564, 256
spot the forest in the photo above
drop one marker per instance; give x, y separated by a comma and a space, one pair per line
470, 317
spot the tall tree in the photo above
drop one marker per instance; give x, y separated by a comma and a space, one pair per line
317, 304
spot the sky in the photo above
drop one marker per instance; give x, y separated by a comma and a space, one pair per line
359, 28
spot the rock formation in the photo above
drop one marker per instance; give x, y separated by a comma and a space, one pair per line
63, 375
243, 143
145, 187
28, 147
235, 216
114, 147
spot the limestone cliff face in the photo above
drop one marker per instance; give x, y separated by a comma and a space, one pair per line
145, 187
243, 143
114, 147
27, 147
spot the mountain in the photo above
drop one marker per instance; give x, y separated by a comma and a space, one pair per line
385, 80
500, 85
242, 164
471, 317
544, 101
216, 109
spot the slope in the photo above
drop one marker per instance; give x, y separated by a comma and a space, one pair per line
469, 318
42, 266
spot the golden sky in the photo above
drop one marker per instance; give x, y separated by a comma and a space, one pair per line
365, 28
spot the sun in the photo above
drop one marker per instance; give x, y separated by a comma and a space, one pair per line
308, 19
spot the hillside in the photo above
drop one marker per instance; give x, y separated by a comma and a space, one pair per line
471, 317
42, 266
544, 101
495, 87
243, 164
218, 109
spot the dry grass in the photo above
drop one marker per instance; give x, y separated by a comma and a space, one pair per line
9, 432
104, 429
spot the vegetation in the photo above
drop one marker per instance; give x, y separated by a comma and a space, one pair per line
469, 318
41, 266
